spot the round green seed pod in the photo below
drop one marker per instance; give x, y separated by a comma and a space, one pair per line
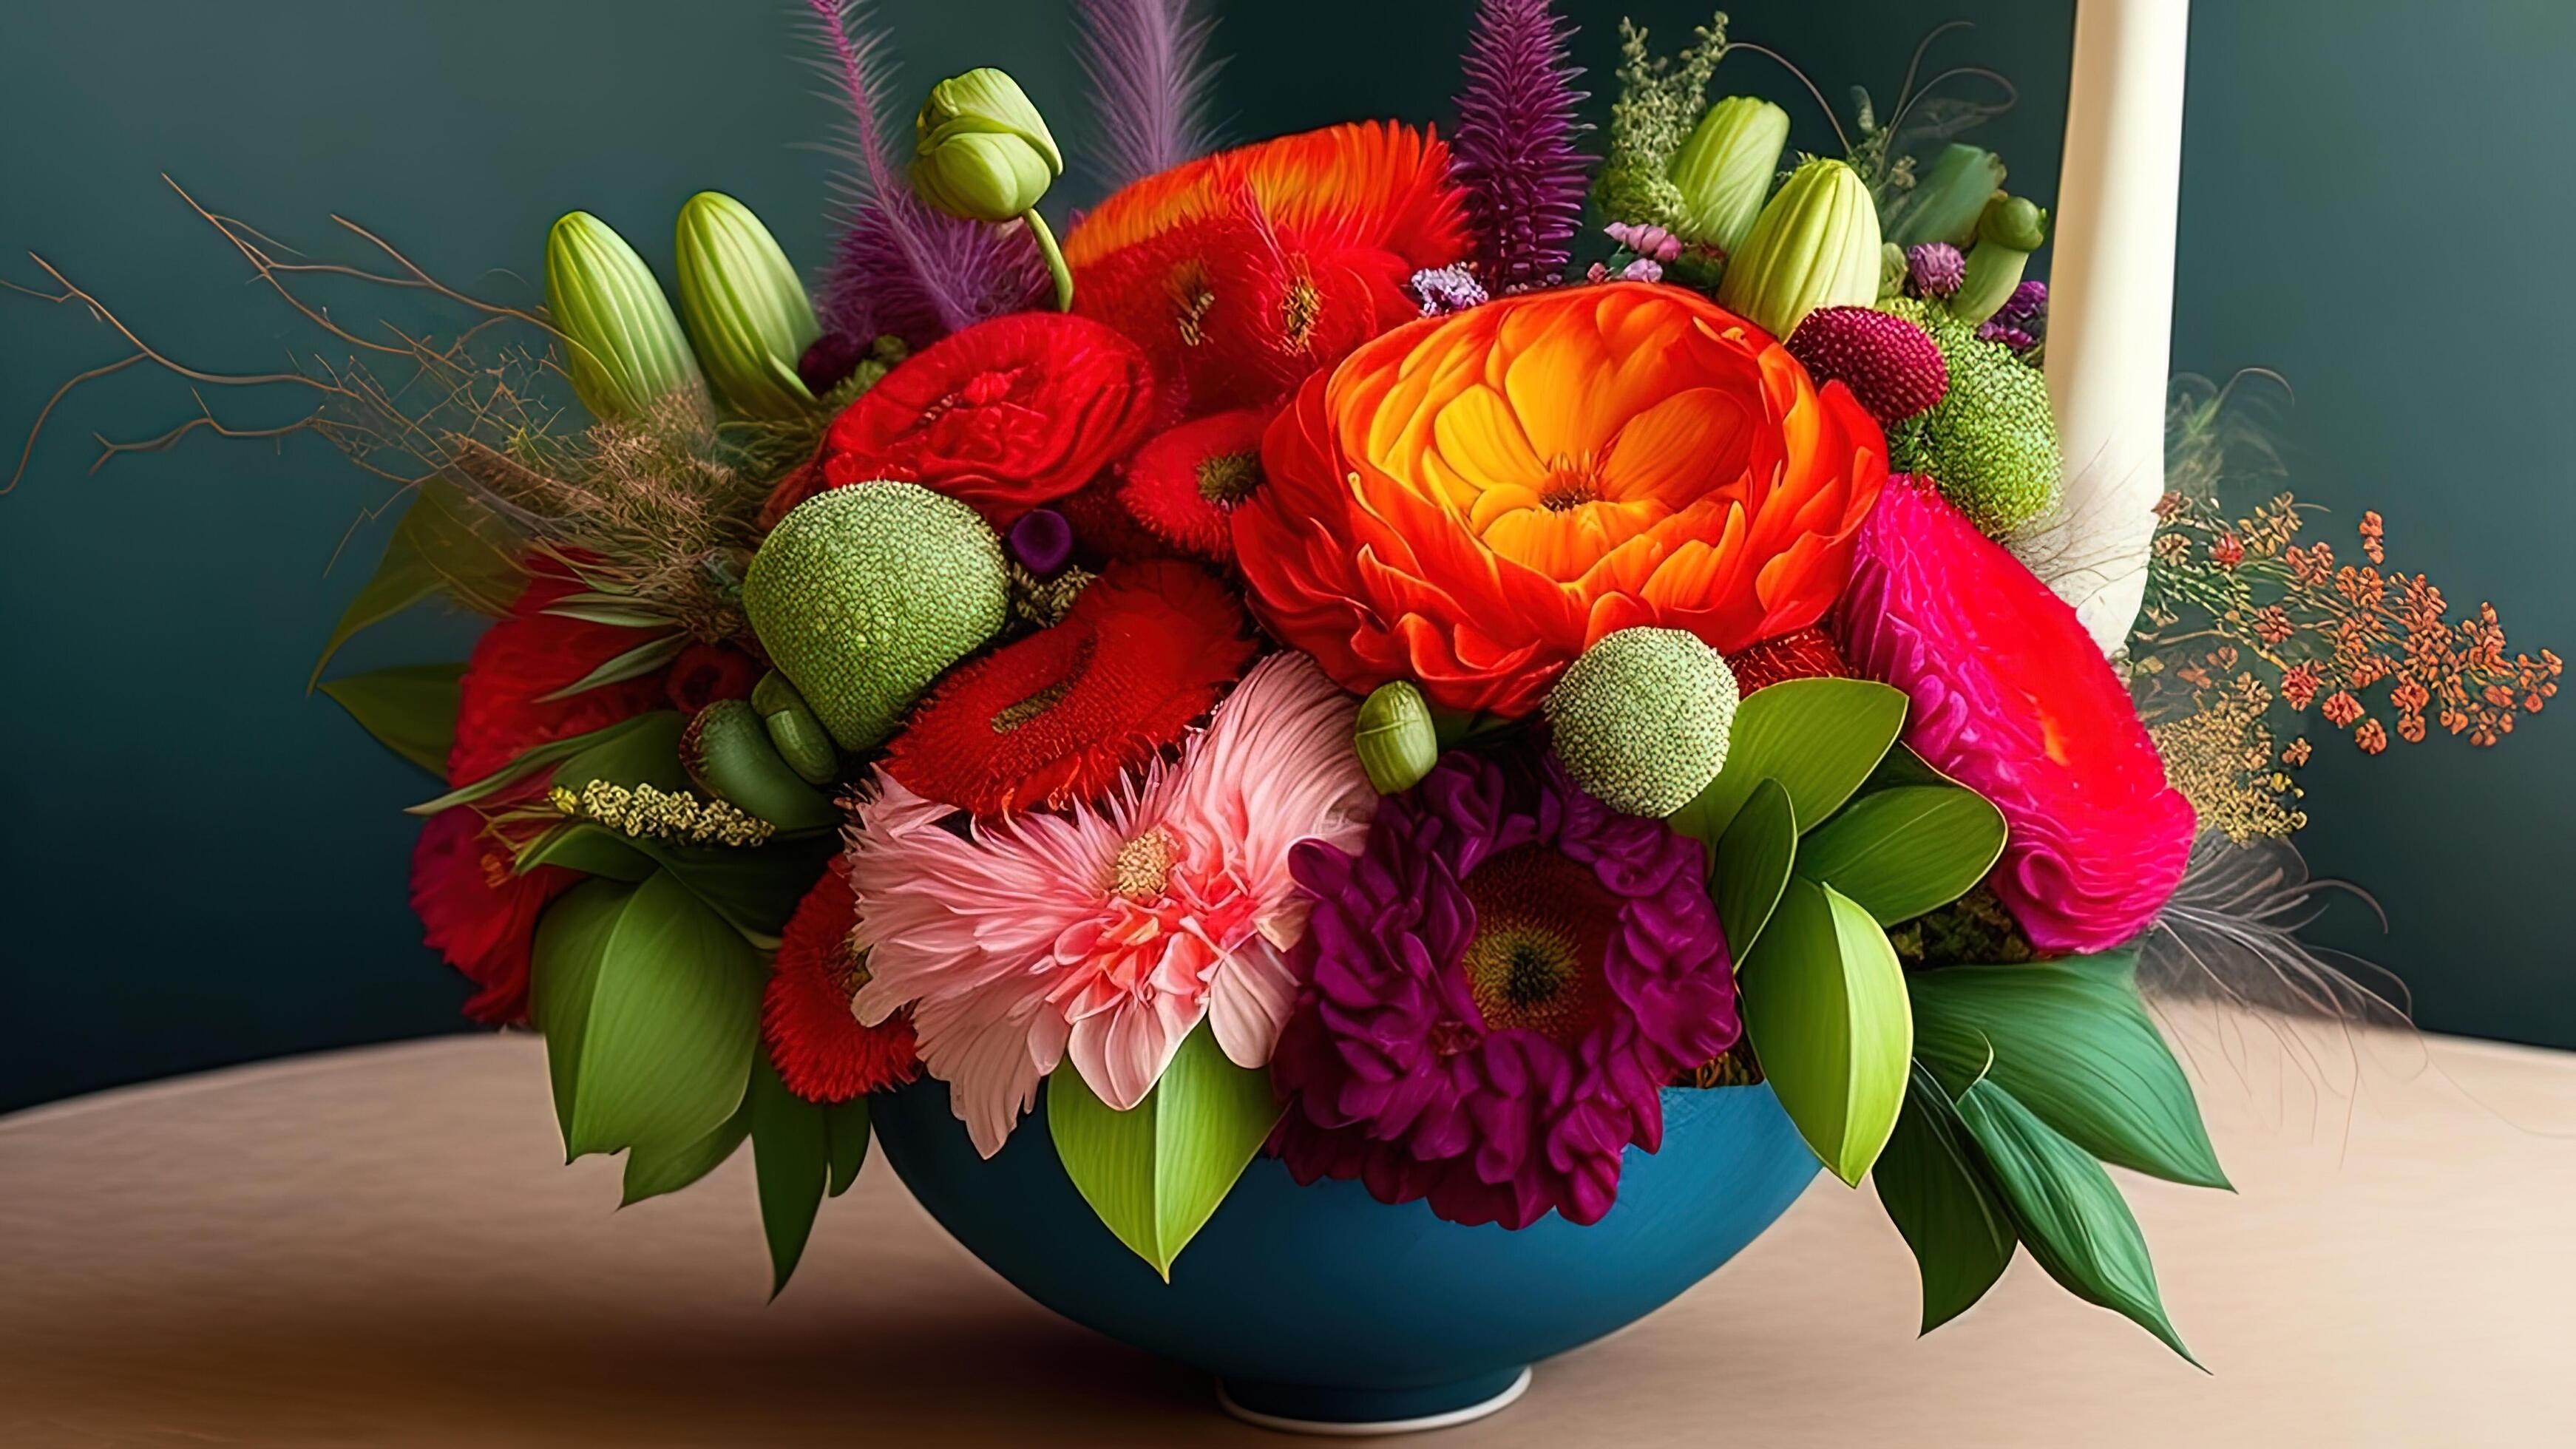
1641, 719
1990, 443
864, 595
801, 739
1394, 737
727, 752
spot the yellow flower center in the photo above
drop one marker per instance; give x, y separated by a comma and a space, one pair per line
1144, 865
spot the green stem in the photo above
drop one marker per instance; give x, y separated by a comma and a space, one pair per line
1054, 258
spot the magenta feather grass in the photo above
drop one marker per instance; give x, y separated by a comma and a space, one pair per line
1515, 144
1150, 79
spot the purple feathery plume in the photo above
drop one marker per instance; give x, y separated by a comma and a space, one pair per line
900, 267
1150, 78
1515, 144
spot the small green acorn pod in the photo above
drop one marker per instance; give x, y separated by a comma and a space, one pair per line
1945, 204
1641, 720
622, 346
2009, 231
746, 311
1724, 171
981, 150
1815, 245
1394, 738
727, 753
864, 595
801, 739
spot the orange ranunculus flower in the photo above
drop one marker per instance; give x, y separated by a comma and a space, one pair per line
1472, 500
1242, 272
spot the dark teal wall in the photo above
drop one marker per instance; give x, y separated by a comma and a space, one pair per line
199, 864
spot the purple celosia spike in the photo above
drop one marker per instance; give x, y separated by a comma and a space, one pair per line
1150, 78
1514, 147
899, 266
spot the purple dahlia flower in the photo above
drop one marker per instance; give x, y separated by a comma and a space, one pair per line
1498, 987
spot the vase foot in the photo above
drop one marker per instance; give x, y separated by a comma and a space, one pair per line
1366, 1413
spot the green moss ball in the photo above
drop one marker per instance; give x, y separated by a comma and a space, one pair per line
1641, 720
1990, 444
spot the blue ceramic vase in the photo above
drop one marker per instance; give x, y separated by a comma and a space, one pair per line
1321, 1306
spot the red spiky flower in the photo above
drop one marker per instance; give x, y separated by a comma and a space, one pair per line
1060, 716
1182, 486
821, 1051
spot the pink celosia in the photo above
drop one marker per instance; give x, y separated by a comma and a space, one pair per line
1105, 936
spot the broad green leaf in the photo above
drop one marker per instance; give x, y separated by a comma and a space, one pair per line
650, 1004
410, 710
445, 543
2066, 1209
647, 754
555, 752
791, 1157
1156, 1173
848, 1124
653, 1171
2072, 1041
1907, 850
1934, 1189
591, 849
635, 663
1903, 767
754, 889
1818, 737
1824, 1004
1752, 864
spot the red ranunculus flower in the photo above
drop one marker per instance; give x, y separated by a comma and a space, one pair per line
1004, 416
476, 912
821, 1052
501, 709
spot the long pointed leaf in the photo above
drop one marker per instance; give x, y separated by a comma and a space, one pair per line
552, 752
1155, 1174
653, 1171
1935, 1190
445, 543
790, 1156
1904, 851
635, 663
1825, 1007
1753, 862
848, 1125
411, 710
1820, 738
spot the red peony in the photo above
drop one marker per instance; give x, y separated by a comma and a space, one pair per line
818, 1046
1182, 486
501, 708
477, 913
2013, 699
1006, 415
1061, 716
1242, 272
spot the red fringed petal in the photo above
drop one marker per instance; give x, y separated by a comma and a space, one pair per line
1182, 486
821, 1051
501, 709
475, 912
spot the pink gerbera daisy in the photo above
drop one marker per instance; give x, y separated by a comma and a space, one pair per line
1106, 935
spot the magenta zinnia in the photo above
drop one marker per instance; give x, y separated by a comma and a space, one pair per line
1103, 936
1498, 987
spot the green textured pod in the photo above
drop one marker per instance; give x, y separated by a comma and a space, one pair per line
1641, 720
623, 347
727, 752
1892, 270
1724, 171
1990, 443
800, 737
2011, 229
1395, 739
864, 595
1815, 245
981, 150
1945, 204
746, 312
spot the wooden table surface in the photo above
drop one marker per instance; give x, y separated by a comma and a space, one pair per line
382, 1247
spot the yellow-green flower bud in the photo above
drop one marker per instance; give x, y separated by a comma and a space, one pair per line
745, 308
1396, 742
793, 728
982, 150
1815, 245
1725, 169
2007, 233
1944, 205
622, 346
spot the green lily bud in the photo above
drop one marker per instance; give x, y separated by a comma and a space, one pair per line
982, 150
1724, 170
1944, 206
2008, 232
623, 347
1815, 245
1394, 738
745, 309
795, 730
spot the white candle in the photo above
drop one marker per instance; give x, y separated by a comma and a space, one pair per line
2110, 303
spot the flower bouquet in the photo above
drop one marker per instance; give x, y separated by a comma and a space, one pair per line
1348, 799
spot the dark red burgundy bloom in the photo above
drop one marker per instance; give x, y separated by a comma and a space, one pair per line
1006, 415
476, 912
1061, 715
1182, 486
502, 710
705, 673
821, 1052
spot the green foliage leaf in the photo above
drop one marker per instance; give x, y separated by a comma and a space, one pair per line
655, 727
635, 663
791, 1156
1907, 850
848, 1124
446, 543
2066, 1209
2072, 1041
653, 1171
1934, 1188
1156, 1173
1820, 738
612, 609
1752, 864
650, 1004
411, 710
1824, 1005
754, 888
